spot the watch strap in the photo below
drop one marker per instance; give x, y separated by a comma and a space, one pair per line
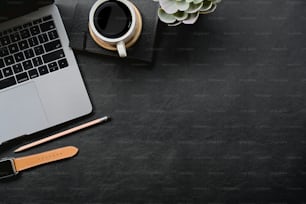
27, 162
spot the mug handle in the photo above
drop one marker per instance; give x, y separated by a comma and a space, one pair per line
121, 49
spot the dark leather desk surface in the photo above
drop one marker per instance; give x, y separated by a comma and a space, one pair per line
219, 117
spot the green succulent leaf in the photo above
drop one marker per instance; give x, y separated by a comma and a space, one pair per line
169, 6
212, 9
182, 5
192, 18
180, 15
197, 1
165, 17
175, 23
206, 5
194, 7
175, 12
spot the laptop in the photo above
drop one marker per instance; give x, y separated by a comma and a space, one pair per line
40, 82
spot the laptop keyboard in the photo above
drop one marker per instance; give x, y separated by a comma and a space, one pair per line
29, 51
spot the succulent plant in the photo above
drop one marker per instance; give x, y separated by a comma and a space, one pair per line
175, 12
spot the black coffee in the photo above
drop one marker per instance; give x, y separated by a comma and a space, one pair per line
112, 19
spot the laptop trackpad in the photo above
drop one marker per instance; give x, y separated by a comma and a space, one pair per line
21, 112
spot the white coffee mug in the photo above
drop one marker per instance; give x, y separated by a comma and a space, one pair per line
119, 43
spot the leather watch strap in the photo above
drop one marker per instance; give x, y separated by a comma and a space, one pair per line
27, 162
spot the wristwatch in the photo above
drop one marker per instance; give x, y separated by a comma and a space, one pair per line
11, 167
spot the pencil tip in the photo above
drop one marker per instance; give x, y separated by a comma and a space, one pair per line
20, 149
105, 119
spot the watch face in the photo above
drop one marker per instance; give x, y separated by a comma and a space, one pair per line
6, 169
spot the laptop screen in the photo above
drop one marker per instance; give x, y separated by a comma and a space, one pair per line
13, 8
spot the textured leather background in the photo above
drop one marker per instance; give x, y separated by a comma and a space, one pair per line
218, 117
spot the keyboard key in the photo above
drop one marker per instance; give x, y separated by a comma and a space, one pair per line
33, 41
1, 75
19, 57
5, 40
46, 18
27, 65
26, 25
15, 37
9, 60
22, 77
23, 45
39, 50
17, 28
33, 73
7, 82
53, 56
25, 34
37, 61
53, 67
4, 51
43, 70
17, 68
63, 63
2, 63
53, 34
37, 21
43, 38
7, 71
29, 53
13, 48
34, 30
47, 26
52, 45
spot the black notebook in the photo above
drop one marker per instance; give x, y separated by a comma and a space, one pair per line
80, 38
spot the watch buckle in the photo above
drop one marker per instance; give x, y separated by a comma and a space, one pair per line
7, 168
